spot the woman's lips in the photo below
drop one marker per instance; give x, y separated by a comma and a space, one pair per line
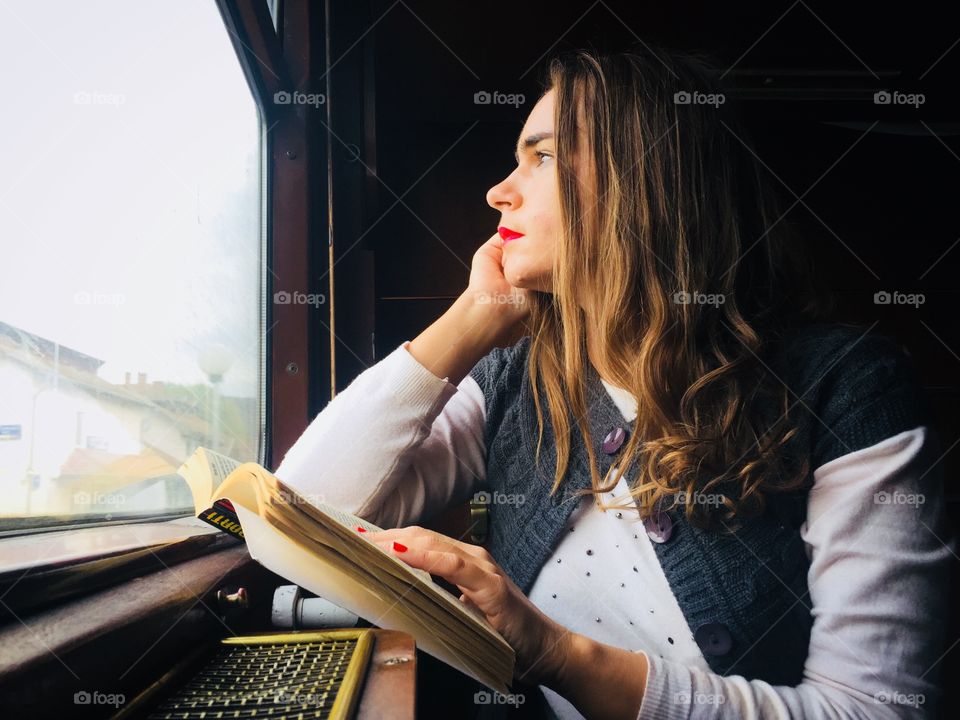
507, 234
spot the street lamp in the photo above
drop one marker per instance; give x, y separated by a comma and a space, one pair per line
215, 361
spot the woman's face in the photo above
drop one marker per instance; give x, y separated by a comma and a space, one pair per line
529, 202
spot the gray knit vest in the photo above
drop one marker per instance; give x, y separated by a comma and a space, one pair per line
743, 595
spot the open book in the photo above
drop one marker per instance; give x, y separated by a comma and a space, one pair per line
317, 547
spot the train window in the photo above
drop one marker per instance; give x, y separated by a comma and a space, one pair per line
132, 290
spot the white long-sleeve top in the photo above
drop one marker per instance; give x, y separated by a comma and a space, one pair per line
399, 445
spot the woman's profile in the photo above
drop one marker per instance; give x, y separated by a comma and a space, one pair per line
706, 499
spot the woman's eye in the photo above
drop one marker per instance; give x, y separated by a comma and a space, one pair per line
540, 154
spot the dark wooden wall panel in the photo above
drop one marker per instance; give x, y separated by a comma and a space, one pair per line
881, 217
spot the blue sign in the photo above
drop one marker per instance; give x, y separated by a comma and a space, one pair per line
9, 432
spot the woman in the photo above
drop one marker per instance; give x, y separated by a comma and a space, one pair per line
710, 503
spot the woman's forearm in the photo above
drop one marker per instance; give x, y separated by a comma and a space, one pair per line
600, 680
459, 338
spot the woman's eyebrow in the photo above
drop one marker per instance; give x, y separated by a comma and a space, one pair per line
530, 142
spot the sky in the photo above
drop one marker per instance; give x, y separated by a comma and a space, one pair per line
129, 186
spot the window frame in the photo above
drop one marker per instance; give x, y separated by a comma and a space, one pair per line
275, 61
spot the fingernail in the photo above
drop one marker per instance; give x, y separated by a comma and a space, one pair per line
361, 529
399, 547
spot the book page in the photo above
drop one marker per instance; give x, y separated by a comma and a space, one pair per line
344, 518
204, 471
220, 467
244, 486
341, 517
368, 563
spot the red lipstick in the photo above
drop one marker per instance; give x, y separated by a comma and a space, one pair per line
507, 234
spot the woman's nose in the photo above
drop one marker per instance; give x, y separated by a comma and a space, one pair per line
503, 196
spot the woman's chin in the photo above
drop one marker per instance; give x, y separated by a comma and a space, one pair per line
516, 274
523, 281
524, 275
511, 275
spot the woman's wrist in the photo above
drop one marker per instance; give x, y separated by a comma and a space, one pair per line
458, 339
569, 653
549, 667
488, 324
586, 664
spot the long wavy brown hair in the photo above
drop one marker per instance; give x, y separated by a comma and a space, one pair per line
665, 210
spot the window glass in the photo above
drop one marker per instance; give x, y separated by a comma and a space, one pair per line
130, 222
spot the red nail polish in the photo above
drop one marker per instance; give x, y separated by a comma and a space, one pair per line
399, 547
361, 529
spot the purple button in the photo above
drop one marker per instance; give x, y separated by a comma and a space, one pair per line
713, 638
659, 527
613, 440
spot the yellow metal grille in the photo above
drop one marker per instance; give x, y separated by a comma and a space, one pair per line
289, 675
